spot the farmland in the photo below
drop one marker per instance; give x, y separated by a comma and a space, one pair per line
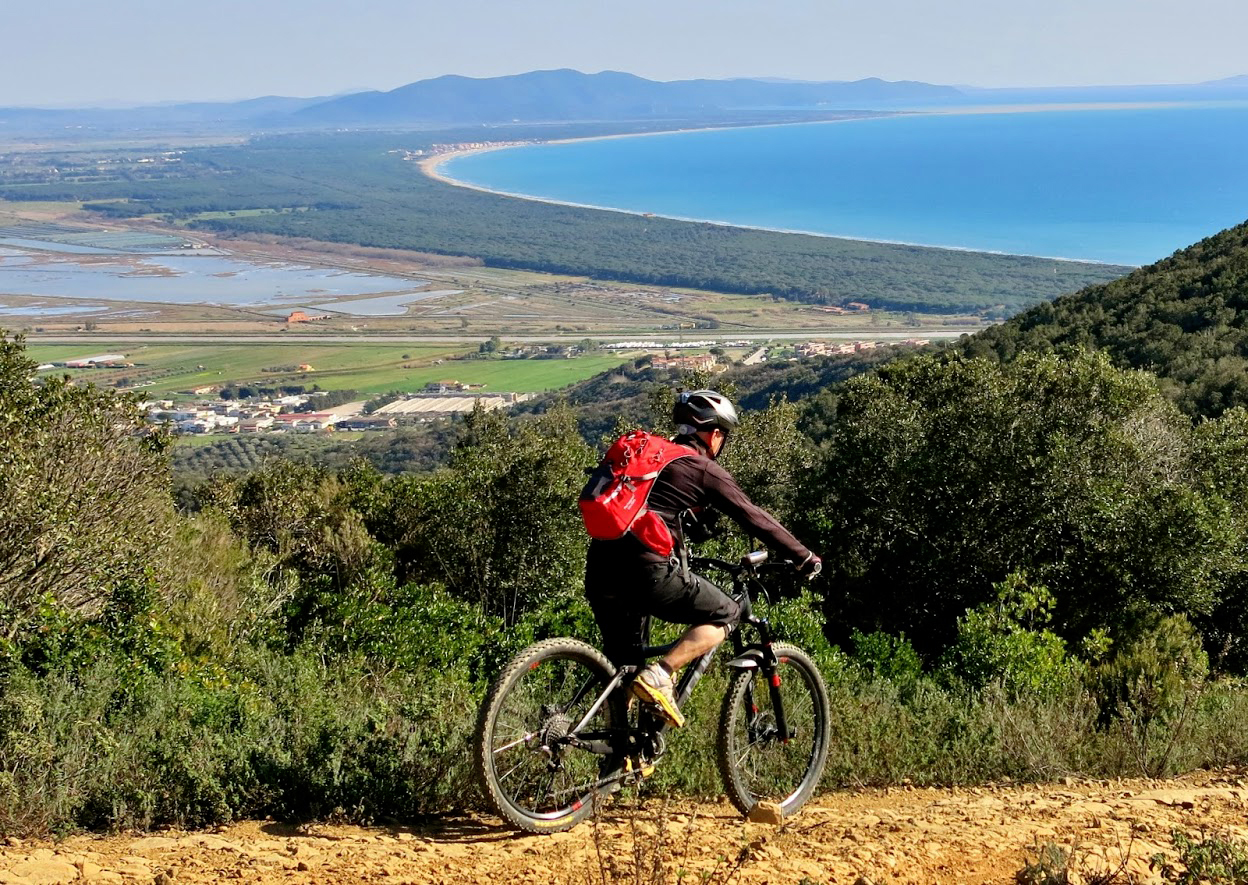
165, 370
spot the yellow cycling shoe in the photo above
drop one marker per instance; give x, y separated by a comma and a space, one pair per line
653, 686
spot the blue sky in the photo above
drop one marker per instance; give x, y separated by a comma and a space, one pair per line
79, 52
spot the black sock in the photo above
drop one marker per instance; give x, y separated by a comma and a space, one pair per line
666, 669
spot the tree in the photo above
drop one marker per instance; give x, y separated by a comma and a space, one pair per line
84, 503
945, 475
498, 526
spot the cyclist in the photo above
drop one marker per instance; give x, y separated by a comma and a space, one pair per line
626, 582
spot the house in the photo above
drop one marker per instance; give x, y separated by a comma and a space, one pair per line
366, 422
700, 363
255, 425
306, 422
443, 386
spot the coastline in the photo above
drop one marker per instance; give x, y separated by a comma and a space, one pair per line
432, 167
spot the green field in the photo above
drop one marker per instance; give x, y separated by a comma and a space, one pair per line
166, 370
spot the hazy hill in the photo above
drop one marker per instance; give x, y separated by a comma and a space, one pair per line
155, 117
535, 96
562, 95
609, 95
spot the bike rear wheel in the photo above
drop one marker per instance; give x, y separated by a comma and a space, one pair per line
535, 776
756, 761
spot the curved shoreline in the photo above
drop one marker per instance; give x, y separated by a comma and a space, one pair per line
431, 167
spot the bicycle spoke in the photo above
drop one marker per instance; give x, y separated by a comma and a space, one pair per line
756, 760
535, 768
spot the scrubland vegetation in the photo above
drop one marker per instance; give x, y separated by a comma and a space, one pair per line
1036, 568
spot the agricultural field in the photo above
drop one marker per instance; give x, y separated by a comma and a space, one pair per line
168, 370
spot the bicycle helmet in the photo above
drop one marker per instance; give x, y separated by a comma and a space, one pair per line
704, 410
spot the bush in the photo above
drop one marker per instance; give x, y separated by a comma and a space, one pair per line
1215, 860
889, 658
943, 475
84, 502
290, 736
1005, 643
1149, 690
1153, 677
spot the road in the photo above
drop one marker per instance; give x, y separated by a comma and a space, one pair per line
756, 357
665, 338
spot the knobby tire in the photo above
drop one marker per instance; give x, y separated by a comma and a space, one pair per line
542, 693
756, 762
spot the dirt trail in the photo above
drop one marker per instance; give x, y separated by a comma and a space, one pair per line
887, 836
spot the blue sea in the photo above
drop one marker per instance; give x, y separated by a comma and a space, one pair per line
1125, 186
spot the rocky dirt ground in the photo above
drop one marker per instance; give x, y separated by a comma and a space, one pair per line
899, 835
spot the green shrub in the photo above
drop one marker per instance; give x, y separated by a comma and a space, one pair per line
1153, 677
286, 735
882, 656
1211, 859
1149, 691
1005, 642
799, 621
84, 501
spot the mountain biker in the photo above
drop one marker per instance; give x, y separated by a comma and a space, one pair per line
626, 582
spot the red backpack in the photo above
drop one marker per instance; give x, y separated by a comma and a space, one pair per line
613, 502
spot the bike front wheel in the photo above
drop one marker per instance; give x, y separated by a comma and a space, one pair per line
537, 773
759, 763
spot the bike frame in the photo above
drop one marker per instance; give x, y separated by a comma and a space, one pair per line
746, 656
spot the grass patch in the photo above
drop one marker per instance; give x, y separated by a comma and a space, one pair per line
164, 370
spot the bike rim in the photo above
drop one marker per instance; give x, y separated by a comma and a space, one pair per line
770, 767
538, 771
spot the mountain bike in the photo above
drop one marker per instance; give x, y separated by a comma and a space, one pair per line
557, 731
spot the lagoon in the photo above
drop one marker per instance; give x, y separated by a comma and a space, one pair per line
198, 279
1125, 185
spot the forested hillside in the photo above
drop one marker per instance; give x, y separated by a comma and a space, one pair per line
1185, 319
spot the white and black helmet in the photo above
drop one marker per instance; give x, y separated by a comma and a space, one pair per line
704, 410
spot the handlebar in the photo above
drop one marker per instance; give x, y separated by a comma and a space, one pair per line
749, 568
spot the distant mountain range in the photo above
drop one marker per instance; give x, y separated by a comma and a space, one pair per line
545, 96
567, 95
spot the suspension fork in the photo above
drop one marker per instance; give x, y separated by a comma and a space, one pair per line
769, 666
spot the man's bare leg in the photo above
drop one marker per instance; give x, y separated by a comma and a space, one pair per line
654, 684
696, 642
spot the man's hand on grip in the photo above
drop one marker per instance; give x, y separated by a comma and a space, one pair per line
810, 566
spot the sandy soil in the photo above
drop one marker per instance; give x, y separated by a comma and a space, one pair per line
885, 836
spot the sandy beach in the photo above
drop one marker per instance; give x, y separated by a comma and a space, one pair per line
433, 167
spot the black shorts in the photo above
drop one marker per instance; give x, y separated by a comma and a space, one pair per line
623, 599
